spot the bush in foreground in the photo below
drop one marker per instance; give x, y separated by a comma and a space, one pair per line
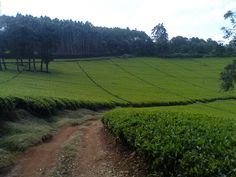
45, 107
178, 144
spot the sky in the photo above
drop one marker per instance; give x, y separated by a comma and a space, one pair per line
188, 18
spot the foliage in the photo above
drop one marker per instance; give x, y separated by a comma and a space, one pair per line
6, 104
45, 107
178, 144
160, 38
230, 31
26, 131
198, 47
46, 37
228, 76
6, 158
42, 37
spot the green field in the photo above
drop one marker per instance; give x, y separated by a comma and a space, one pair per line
135, 80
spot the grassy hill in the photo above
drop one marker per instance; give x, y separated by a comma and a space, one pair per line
134, 80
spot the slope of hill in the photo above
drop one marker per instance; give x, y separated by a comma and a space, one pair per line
135, 80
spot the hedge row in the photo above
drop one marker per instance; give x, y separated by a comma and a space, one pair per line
178, 144
6, 104
46, 106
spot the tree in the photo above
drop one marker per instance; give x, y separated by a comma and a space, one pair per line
230, 31
160, 38
179, 44
72, 39
21, 38
48, 41
228, 76
212, 47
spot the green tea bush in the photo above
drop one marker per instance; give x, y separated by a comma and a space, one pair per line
39, 106
47, 106
178, 144
6, 104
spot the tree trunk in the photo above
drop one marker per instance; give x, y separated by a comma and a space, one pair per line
4, 63
0, 64
21, 62
47, 66
29, 64
17, 65
41, 67
34, 64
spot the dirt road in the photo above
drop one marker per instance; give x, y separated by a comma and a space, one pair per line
99, 155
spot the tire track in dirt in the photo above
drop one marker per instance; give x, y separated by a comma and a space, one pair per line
100, 156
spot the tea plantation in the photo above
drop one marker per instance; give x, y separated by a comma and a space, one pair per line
135, 80
190, 132
180, 140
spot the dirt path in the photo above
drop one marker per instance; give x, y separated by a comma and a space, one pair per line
98, 155
38, 160
101, 156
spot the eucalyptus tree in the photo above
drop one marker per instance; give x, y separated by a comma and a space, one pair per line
228, 76
160, 37
48, 41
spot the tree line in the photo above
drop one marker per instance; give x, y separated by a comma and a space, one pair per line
180, 46
25, 37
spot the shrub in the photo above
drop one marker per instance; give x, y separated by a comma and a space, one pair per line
6, 104
178, 144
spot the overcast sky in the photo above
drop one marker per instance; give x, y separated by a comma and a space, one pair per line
189, 18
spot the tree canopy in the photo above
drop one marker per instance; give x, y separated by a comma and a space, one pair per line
160, 37
67, 38
228, 76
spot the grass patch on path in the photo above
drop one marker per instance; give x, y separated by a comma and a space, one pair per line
65, 162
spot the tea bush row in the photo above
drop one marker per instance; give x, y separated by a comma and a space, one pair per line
178, 144
46, 106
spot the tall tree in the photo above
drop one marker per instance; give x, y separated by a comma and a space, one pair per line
160, 37
48, 41
228, 76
